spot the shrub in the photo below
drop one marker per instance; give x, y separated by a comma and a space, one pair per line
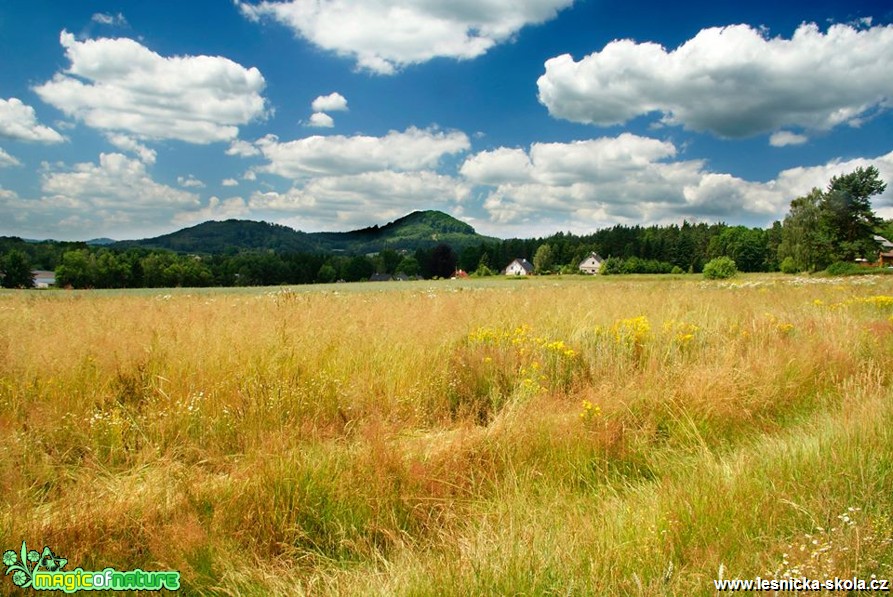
720, 268
612, 265
789, 266
482, 271
843, 268
635, 265
568, 269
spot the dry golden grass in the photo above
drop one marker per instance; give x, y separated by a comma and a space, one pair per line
461, 437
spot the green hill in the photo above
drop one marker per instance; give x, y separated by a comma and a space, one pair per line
420, 229
229, 235
100, 242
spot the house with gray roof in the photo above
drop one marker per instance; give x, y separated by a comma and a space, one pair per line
592, 264
518, 267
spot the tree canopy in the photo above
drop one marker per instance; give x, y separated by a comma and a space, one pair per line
16, 270
837, 224
847, 216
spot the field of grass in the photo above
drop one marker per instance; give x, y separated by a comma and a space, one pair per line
637, 436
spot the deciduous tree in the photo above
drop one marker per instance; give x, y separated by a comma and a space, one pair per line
804, 238
16, 268
544, 259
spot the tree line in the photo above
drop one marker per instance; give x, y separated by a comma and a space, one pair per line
78, 265
636, 249
823, 227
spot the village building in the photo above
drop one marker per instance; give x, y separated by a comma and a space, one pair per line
885, 256
43, 278
518, 267
592, 264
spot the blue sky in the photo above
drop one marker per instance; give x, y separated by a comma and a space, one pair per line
521, 117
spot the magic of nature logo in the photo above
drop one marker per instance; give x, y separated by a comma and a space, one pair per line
45, 571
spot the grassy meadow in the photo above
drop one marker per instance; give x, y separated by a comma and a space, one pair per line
613, 435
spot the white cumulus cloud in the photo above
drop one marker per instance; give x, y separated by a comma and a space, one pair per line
385, 36
115, 182
7, 160
230, 182
413, 149
120, 85
242, 149
333, 102
800, 180
730, 81
216, 209
33, 217
321, 120
631, 179
608, 158
785, 138
126, 143
337, 202
190, 182
499, 166
18, 121
114, 197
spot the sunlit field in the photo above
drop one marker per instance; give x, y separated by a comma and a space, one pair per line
572, 436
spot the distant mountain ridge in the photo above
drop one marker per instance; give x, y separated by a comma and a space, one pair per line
100, 242
419, 229
228, 235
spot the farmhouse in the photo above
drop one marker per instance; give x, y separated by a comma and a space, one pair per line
518, 267
592, 264
885, 257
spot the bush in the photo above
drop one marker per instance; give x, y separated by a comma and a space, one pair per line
482, 271
788, 266
720, 268
844, 268
612, 265
635, 265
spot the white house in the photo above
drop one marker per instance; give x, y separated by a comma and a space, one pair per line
518, 267
43, 278
592, 264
